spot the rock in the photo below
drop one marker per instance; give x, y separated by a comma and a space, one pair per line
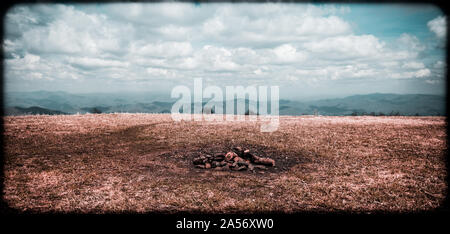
239, 168
219, 157
230, 155
260, 167
200, 166
242, 163
219, 164
197, 161
237, 159
265, 161
239, 151
247, 154
242, 168
250, 156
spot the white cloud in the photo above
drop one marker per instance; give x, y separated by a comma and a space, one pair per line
422, 73
31, 59
28, 62
414, 74
162, 49
188, 63
347, 47
337, 72
389, 64
328, 26
258, 71
36, 75
433, 82
410, 43
158, 72
173, 10
174, 32
73, 32
213, 26
236, 28
214, 58
32, 67
264, 42
96, 62
413, 65
440, 65
439, 26
288, 53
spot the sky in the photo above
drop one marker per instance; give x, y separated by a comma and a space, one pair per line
308, 50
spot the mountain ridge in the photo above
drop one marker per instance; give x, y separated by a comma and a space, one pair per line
374, 103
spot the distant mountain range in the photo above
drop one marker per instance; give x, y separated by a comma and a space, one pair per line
34, 110
377, 103
45, 102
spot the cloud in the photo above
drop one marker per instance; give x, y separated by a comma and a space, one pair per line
96, 62
158, 72
287, 53
432, 82
28, 62
162, 49
337, 72
440, 64
68, 31
234, 27
438, 26
414, 74
251, 43
155, 14
413, 65
213, 26
217, 59
347, 47
411, 43
31, 67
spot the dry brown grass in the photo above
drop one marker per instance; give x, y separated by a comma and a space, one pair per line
142, 163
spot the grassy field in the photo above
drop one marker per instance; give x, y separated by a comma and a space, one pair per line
110, 163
